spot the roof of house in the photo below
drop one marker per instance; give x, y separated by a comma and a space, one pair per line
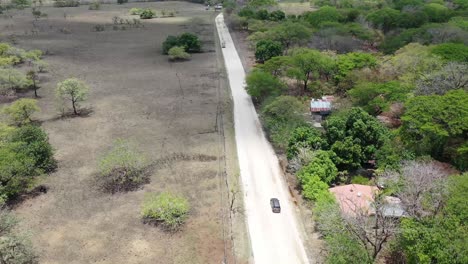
355, 197
321, 105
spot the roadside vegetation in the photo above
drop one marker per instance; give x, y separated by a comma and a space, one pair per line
397, 71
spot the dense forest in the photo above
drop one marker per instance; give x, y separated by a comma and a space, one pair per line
398, 73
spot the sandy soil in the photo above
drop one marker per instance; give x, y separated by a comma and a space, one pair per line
164, 108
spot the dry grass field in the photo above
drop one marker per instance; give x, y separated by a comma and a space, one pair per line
170, 111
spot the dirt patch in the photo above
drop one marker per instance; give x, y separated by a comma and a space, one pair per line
171, 111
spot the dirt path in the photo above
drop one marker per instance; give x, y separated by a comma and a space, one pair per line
275, 238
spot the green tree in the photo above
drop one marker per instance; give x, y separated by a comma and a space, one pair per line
305, 137
178, 53
20, 112
437, 13
289, 34
171, 41
324, 14
261, 85
33, 77
72, 90
452, 52
277, 15
16, 170
357, 130
12, 80
171, 211
352, 61
432, 124
307, 63
321, 166
376, 98
385, 18
121, 169
266, 49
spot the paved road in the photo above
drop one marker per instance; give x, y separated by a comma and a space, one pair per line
274, 237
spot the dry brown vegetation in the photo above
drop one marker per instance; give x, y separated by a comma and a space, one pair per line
171, 111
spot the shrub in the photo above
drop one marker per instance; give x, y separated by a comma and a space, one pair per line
14, 248
122, 168
281, 116
166, 209
452, 52
135, 11
66, 3
147, 14
12, 80
120, 2
95, 5
21, 4
324, 14
262, 14
40, 66
358, 179
178, 53
267, 49
261, 85
99, 28
277, 15
189, 41
21, 111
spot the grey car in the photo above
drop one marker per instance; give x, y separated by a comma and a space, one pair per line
275, 205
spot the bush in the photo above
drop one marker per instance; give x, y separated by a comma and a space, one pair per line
20, 112
267, 49
178, 53
21, 4
277, 15
135, 11
120, 2
14, 248
189, 41
358, 179
262, 14
36, 146
96, 5
261, 85
452, 52
12, 80
166, 209
122, 169
281, 116
66, 3
324, 14
147, 14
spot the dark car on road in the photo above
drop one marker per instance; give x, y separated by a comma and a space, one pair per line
275, 205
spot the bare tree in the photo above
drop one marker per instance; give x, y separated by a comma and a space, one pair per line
452, 76
421, 186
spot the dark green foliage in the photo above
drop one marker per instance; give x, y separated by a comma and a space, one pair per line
413, 19
21, 4
120, 2
16, 170
400, 4
261, 85
267, 49
246, 12
376, 98
281, 116
35, 145
189, 41
262, 14
277, 15
324, 14
452, 52
290, 33
352, 61
437, 13
305, 137
440, 239
147, 14
354, 136
66, 3
385, 18
432, 124
393, 43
